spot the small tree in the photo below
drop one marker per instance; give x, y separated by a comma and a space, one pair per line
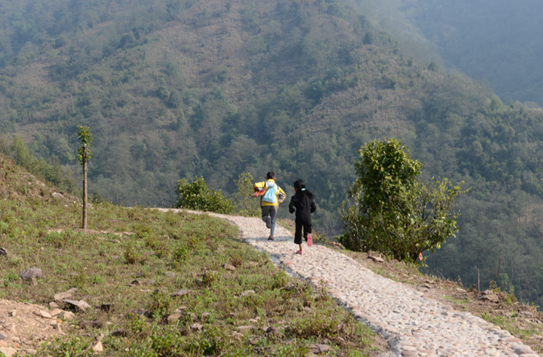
390, 210
84, 155
496, 104
246, 204
198, 196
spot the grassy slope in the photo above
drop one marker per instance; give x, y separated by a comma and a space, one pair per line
164, 252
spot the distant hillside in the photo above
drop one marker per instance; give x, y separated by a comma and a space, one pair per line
493, 41
214, 88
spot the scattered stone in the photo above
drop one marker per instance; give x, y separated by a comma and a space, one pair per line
119, 333
9, 327
318, 348
428, 286
55, 325
490, 296
196, 327
229, 267
523, 350
81, 305
3, 252
206, 316
95, 324
44, 314
253, 321
247, 292
106, 307
98, 347
245, 329
181, 292
180, 309
30, 273
13, 313
135, 283
30, 351
3, 337
461, 290
376, 259
525, 313
173, 318
66, 315
57, 196
8, 351
273, 330
65, 295
53, 305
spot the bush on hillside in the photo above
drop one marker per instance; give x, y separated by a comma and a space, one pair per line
51, 172
391, 211
198, 196
246, 205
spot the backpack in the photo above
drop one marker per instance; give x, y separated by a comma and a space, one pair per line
269, 196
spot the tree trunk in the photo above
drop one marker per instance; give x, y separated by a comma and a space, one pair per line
84, 190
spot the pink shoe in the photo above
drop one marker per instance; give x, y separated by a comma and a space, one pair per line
309, 240
299, 252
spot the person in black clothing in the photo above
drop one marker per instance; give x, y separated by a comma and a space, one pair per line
302, 202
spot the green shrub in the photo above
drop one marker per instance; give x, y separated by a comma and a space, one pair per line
131, 255
160, 303
246, 205
181, 254
280, 280
198, 196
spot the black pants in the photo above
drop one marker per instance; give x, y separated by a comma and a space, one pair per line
298, 234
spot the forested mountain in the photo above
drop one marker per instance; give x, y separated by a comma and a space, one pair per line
497, 42
176, 89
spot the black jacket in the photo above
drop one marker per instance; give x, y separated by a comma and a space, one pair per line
303, 204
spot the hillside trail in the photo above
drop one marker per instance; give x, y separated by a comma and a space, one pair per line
413, 325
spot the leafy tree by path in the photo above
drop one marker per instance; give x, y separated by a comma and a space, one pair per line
391, 211
84, 154
198, 196
246, 204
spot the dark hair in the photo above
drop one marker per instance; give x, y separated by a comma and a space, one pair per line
270, 175
299, 184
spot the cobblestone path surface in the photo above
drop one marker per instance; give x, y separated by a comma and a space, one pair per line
412, 324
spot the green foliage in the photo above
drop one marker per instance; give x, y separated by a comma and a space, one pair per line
496, 104
50, 171
132, 255
246, 205
433, 67
391, 210
198, 196
85, 138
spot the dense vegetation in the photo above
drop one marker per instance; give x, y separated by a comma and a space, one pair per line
182, 89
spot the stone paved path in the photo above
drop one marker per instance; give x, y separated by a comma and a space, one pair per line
412, 324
